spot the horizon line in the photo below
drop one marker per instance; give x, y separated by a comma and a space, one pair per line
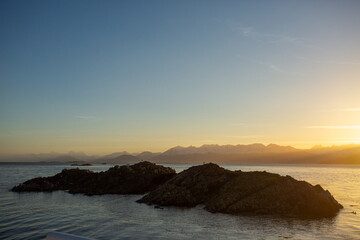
221, 145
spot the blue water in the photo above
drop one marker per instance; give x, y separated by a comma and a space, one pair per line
33, 215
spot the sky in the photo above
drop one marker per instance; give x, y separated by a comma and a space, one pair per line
106, 76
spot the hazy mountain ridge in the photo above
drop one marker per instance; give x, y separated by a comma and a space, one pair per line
223, 154
64, 158
229, 149
125, 158
339, 155
147, 155
114, 155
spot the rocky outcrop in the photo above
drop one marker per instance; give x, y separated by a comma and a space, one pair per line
218, 189
81, 164
135, 179
239, 192
190, 187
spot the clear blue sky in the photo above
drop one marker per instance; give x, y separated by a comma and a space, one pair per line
103, 76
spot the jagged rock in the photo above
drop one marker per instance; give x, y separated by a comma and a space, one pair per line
135, 179
239, 192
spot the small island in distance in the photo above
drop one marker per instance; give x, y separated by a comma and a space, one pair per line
256, 153
81, 164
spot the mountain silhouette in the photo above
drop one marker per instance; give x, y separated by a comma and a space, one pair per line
256, 153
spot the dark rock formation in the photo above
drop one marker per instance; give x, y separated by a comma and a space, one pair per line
191, 187
81, 164
220, 190
135, 179
239, 192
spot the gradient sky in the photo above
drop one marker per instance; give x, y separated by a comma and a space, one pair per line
105, 76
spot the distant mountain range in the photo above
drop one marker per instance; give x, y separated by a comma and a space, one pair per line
229, 149
126, 158
223, 154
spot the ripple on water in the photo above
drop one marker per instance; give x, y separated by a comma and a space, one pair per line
33, 215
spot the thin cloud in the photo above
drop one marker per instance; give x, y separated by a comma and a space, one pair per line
339, 62
349, 110
247, 31
247, 136
239, 124
329, 62
270, 66
250, 32
335, 127
346, 139
85, 117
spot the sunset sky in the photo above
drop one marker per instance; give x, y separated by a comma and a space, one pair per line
105, 76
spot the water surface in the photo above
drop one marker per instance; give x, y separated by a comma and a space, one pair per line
33, 215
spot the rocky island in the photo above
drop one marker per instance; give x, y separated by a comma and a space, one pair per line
218, 189
81, 164
237, 192
135, 179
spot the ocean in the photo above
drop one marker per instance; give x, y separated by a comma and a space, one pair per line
33, 215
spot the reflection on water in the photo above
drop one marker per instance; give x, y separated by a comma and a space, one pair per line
32, 215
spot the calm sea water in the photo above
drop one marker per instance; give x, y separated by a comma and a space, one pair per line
33, 215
